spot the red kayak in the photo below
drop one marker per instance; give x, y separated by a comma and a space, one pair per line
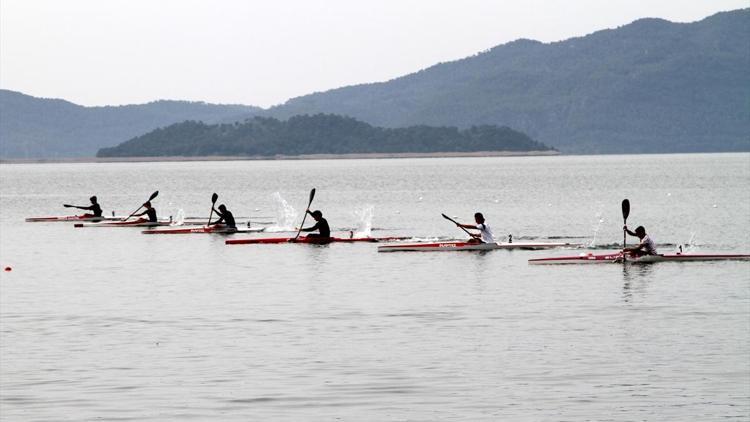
205, 229
617, 257
314, 240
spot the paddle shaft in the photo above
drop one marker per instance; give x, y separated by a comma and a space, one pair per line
457, 225
312, 195
214, 197
625, 214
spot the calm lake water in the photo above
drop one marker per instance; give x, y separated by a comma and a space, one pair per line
110, 324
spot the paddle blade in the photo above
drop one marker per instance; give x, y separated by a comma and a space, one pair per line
214, 198
153, 195
67, 206
625, 209
312, 195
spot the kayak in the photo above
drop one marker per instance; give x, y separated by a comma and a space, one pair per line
205, 229
617, 257
469, 246
314, 240
71, 218
141, 222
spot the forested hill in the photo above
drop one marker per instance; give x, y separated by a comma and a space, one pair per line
33, 127
650, 86
318, 134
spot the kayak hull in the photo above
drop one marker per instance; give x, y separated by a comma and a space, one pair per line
313, 240
646, 259
205, 230
68, 218
130, 223
468, 246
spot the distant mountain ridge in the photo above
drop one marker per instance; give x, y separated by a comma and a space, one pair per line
646, 87
650, 86
318, 134
33, 127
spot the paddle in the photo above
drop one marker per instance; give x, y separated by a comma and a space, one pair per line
150, 198
214, 197
625, 214
456, 223
312, 195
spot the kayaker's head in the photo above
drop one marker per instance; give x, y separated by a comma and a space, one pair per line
223, 208
640, 232
317, 215
479, 218
93, 199
147, 204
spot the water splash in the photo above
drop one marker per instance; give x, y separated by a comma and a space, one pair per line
286, 215
364, 217
690, 245
179, 217
597, 227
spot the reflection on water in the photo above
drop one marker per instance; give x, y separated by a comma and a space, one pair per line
636, 277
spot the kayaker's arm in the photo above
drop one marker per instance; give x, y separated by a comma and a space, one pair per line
470, 226
89, 208
220, 220
628, 231
636, 248
311, 229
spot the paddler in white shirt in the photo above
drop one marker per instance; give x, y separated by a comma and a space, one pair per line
646, 247
485, 232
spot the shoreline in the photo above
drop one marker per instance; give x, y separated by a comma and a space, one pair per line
355, 156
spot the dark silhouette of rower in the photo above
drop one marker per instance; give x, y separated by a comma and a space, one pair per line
321, 225
225, 217
96, 210
150, 212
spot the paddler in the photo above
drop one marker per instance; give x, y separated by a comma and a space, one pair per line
645, 247
485, 232
225, 217
150, 212
321, 225
96, 210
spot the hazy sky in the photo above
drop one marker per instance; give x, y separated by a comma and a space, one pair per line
97, 52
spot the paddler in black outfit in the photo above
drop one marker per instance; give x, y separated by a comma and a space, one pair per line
225, 217
96, 210
150, 212
321, 225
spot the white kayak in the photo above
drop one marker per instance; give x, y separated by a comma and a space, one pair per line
69, 218
617, 257
470, 246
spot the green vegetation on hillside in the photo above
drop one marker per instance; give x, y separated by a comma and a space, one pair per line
650, 86
319, 134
